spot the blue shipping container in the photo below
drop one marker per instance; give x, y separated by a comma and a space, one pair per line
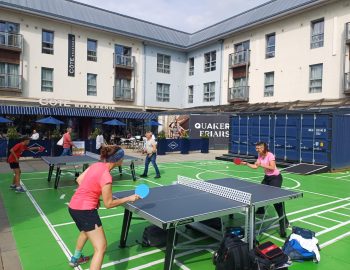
310, 137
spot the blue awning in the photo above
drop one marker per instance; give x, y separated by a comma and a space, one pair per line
71, 111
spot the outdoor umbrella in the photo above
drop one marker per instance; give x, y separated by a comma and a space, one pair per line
4, 120
152, 123
50, 120
114, 122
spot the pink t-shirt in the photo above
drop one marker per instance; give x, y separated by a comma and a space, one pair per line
266, 161
87, 196
67, 141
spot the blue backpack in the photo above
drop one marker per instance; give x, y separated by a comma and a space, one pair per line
296, 252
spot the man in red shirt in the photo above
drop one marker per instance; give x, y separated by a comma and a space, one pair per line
67, 143
13, 160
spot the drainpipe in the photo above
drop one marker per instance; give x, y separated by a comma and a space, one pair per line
144, 76
221, 63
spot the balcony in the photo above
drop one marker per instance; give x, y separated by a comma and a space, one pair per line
347, 83
240, 58
347, 33
123, 93
10, 41
240, 93
122, 61
10, 83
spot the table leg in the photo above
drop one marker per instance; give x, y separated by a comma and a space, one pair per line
170, 251
51, 167
132, 169
58, 174
125, 228
251, 233
120, 170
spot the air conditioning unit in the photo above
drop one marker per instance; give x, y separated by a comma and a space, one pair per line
347, 34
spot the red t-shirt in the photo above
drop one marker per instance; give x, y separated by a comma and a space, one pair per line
19, 148
87, 196
67, 141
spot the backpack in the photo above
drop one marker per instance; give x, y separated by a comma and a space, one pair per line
268, 256
154, 236
233, 254
296, 253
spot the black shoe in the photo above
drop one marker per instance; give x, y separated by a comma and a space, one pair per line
157, 176
143, 175
283, 234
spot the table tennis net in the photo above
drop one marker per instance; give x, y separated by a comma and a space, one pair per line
229, 193
93, 155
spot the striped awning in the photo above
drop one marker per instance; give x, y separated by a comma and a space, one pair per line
71, 111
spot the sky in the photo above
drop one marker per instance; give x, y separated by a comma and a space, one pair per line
184, 15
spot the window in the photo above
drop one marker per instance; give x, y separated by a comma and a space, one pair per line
92, 50
46, 79
269, 84
240, 89
163, 63
317, 33
209, 92
270, 45
210, 61
191, 66
163, 92
9, 34
316, 78
123, 89
9, 76
91, 84
123, 56
241, 55
47, 42
190, 94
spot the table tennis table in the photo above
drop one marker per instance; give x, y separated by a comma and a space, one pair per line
190, 201
84, 160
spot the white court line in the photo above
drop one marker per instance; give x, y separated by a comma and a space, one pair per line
333, 228
273, 237
341, 214
140, 255
335, 240
72, 222
348, 208
331, 219
312, 224
50, 227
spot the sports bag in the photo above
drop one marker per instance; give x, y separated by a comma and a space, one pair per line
233, 254
296, 253
268, 256
153, 236
305, 233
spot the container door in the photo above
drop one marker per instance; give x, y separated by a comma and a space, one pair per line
254, 133
280, 130
235, 136
315, 138
292, 151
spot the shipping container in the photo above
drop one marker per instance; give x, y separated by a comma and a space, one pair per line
296, 137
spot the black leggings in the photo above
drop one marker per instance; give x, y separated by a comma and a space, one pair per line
276, 181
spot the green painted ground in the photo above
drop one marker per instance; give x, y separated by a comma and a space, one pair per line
44, 242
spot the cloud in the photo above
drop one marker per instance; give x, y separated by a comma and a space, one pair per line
185, 15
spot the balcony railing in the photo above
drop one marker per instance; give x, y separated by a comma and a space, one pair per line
239, 58
240, 93
124, 61
123, 93
347, 83
11, 41
10, 82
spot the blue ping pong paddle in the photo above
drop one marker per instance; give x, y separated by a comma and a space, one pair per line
142, 190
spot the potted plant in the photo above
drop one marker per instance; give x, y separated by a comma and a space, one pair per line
205, 143
161, 145
12, 136
185, 143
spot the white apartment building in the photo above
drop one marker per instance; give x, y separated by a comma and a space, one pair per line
66, 54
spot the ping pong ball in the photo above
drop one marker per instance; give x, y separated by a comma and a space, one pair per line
227, 167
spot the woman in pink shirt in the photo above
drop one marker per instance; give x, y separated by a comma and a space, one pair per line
94, 182
273, 177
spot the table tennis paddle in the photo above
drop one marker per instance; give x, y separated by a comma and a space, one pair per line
142, 190
41, 149
237, 161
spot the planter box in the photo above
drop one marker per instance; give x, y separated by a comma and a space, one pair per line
205, 145
185, 146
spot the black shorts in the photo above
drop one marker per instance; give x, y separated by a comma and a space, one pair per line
14, 165
86, 220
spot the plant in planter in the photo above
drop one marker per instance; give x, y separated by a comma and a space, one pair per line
12, 133
56, 134
161, 135
95, 133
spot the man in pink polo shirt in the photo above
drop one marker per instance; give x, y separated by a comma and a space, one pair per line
273, 177
67, 143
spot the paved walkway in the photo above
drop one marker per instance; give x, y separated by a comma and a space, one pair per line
9, 259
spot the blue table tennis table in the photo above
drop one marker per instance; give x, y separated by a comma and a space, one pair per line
84, 160
190, 201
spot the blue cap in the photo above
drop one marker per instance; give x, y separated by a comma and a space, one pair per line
116, 156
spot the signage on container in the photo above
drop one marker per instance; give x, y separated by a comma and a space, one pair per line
71, 55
